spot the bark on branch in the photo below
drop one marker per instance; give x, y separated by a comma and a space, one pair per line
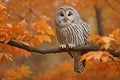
85, 48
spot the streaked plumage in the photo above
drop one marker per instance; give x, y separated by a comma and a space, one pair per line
71, 30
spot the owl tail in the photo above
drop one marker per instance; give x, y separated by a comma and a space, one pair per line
79, 65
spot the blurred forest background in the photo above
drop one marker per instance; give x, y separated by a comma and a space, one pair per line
35, 13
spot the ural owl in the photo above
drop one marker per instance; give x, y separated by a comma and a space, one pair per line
71, 31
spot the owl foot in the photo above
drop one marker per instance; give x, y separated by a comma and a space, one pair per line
71, 45
62, 46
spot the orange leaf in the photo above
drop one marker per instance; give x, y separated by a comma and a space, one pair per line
107, 41
5, 57
50, 32
116, 36
104, 58
5, 34
97, 55
25, 37
47, 38
3, 14
34, 41
25, 53
19, 28
40, 38
25, 71
43, 28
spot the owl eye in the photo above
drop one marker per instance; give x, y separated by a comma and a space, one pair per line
69, 14
61, 14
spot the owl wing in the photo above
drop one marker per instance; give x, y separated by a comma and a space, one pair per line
86, 30
60, 37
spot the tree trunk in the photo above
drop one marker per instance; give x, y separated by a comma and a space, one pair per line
99, 20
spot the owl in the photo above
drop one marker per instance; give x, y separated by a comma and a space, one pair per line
71, 31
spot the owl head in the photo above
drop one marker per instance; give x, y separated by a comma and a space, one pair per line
65, 16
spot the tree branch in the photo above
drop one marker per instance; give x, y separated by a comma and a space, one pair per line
85, 48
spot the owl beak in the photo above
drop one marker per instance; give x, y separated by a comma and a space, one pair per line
65, 19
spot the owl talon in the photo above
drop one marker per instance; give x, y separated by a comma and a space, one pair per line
71, 45
63, 46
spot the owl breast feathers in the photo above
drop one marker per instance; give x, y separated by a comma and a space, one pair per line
73, 34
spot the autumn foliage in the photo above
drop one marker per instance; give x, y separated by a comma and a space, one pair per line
15, 73
111, 41
31, 22
94, 70
18, 32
